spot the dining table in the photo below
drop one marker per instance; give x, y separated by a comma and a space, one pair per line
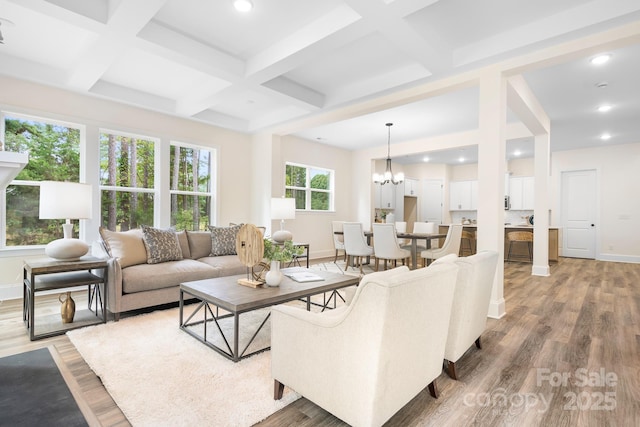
414, 237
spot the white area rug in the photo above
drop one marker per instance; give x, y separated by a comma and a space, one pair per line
160, 376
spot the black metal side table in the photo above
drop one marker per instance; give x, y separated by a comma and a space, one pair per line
50, 275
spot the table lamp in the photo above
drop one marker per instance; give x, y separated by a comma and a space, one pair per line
65, 200
283, 208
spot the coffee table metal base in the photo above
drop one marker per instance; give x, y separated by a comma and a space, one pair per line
210, 317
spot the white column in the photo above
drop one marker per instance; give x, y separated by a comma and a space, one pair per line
491, 170
541, 211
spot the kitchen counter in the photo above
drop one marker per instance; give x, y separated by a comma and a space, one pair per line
518, 251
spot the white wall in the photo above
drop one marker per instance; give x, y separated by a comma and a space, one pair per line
234, 155
617, 166
314, 227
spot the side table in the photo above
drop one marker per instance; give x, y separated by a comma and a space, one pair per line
48, 275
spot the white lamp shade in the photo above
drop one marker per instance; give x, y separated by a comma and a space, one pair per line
283, 208
65, 200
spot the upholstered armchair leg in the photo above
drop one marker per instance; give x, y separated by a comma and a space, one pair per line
278, 390
451, 369
433, 389
479, 344
346, 267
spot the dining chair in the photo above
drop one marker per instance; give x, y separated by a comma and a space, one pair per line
338, 239
355, 244
401, 227
386, 247
451, 245
422, 228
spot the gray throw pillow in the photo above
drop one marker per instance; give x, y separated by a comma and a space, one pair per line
223, 240
161, 245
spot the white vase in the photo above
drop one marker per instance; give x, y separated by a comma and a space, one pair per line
274, 275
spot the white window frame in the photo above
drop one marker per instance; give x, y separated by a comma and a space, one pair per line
213, 166
308, 190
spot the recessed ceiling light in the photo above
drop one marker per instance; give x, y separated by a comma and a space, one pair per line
604, 108
243, 5
605, 136
461, 159
517, 153
425, 159
600, 59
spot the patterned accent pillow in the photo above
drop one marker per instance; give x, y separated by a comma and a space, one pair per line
161, 245
223, 240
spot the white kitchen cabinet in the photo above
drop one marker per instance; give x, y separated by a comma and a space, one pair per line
385, 196
411, 187
521, 193
463, 195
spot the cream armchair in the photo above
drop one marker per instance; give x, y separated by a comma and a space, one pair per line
470, 304
365, 361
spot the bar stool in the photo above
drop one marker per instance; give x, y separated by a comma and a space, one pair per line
469, 238
520, 237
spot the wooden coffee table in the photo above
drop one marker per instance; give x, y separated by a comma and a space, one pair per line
225, 293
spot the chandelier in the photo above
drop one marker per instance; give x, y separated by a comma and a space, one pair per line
388, 175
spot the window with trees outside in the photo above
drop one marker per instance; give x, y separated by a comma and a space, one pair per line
312, 187
127, 174
191, 171
54, 155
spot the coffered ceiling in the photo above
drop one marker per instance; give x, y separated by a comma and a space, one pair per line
290, 60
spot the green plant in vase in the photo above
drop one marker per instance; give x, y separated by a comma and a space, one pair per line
277, 253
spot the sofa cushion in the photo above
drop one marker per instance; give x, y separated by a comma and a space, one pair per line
228, 265
199, 243
184, 243
147, 277
223, 240
161, 245
126, 246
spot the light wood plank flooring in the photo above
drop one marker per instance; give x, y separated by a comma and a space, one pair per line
582, 323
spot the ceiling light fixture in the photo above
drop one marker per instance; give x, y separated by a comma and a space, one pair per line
605, 136
517, 153
461, 159
601, 59
388, 175
243, 5
604, 108
425, 159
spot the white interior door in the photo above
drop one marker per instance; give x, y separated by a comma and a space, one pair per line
579, 214
431, 201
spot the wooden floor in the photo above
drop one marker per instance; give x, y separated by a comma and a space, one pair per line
567, 353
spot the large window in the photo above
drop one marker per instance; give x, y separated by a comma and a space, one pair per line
126, 181
312, 187
191, 186
54, 154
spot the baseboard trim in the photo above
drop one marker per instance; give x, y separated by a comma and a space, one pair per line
540, 270
497, 309
631, 259
13, 291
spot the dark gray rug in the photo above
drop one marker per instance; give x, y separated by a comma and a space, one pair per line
34, 393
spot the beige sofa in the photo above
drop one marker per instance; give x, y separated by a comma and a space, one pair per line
144, 271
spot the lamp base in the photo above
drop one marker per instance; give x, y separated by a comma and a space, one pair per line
66, 249
282, 236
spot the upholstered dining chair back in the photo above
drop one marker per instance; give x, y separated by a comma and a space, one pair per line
338, 239
385, 244
424, 227
451, 244
355, 244
401, 227
365, 361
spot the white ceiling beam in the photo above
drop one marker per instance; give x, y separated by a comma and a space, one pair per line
295, 90
125, 22
524, 104
558, 25
135, 97
391, 23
